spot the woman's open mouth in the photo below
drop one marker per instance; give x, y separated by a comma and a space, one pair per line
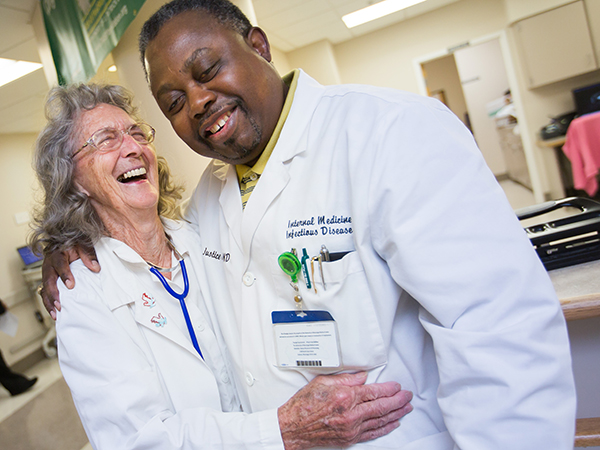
133, 175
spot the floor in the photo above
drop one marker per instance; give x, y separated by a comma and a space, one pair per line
518, 195
48, 371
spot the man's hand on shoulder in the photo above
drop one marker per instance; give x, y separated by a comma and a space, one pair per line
340, 410
56, 264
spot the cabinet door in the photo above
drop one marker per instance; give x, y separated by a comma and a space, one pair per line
555, 45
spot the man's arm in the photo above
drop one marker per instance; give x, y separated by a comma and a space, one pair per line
57, 264
485, 299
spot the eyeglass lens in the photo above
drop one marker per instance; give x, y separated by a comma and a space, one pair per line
110, 138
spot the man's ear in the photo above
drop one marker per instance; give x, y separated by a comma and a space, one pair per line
257, 39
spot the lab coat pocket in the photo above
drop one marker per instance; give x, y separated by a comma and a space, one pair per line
343, 291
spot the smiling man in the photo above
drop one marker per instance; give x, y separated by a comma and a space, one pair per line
413, 265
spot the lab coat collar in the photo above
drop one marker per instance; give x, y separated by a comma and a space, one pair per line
107, 246
118, 287
292, 141
294, 136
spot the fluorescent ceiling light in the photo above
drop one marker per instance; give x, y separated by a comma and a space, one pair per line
376, 11
112, 68
10, 69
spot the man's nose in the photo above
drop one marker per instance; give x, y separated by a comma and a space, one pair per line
200, 99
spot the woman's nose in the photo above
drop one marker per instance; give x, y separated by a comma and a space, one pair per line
130, 147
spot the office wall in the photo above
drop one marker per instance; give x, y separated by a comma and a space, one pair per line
17, 184
385, 57
318, 60
442, 74
280, 61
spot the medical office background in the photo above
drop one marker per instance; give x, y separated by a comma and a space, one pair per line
440, 48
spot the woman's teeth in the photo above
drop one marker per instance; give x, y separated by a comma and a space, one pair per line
220, 123
132, 173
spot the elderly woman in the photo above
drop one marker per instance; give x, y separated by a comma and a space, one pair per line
139, 343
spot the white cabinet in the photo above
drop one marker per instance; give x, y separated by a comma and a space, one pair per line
555, 45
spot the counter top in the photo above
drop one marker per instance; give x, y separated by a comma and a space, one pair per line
578, 289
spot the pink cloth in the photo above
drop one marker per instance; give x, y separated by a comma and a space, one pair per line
582, 147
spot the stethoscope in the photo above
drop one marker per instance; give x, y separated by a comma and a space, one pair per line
181, 297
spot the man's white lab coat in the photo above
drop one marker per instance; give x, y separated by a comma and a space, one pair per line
440, 289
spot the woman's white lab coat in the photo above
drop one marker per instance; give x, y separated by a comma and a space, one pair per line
440, 289
136, 379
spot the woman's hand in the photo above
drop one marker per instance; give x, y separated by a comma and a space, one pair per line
340, 410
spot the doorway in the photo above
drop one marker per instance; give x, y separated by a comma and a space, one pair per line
471, 79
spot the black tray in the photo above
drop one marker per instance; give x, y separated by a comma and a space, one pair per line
567, 241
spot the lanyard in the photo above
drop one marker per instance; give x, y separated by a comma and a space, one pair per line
181, 297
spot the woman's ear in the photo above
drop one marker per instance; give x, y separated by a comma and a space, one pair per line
81, 189
257, 39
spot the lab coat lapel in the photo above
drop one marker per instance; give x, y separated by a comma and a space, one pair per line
157, 319
273, 180
146, 311
230, 200
291, 143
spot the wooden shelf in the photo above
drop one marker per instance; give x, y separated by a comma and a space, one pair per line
578, 288
587, 432
581, 307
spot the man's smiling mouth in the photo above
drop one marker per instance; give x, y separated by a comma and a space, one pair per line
219, 124
132, 175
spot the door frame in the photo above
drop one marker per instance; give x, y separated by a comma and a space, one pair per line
535, 173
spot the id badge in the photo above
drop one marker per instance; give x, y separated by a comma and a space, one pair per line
309, 339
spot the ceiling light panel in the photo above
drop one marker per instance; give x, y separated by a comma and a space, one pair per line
376, 11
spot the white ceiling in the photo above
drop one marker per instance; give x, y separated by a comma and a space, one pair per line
21, 102
290, 24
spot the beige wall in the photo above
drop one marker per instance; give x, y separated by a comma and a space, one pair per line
385, 57
280, 61
442, 74
318, 60
17, 183
18, 187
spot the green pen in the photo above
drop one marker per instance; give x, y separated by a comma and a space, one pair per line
305, 258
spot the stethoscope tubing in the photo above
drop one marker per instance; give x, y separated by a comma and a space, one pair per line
181, 297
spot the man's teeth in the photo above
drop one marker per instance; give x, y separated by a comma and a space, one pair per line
133, 173
220, 123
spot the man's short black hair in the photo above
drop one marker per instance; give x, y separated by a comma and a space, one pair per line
225, 12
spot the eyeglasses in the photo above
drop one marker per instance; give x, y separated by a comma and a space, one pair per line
109, 139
